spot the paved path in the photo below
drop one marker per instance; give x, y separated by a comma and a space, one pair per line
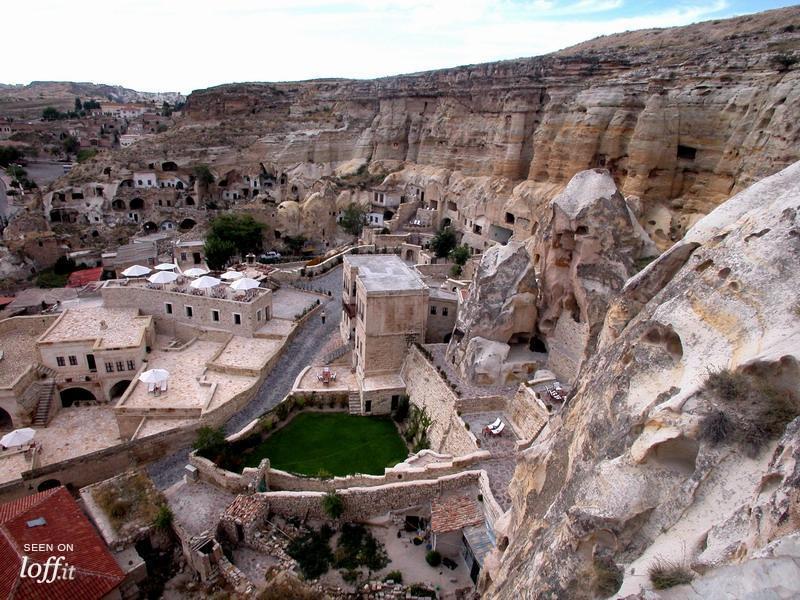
301, 351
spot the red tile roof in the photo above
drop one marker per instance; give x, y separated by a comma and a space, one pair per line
4, 300
84, 276
96, 572
454, 513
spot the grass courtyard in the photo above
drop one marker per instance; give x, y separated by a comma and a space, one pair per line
332, 443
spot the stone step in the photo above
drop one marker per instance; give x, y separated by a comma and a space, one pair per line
44, 404
354, 403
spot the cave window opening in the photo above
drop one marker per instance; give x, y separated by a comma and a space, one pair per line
686, 152
537, 344
510, 218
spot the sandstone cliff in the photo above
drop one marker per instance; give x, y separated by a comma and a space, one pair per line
680, 441
682, 118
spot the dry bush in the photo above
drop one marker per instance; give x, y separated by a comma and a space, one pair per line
665, 573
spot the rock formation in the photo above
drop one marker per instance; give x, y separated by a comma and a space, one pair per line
500, 307
680, 442
680, 125
584, 250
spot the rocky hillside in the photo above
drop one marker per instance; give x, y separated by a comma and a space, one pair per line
679, 447
28, 101
683, 118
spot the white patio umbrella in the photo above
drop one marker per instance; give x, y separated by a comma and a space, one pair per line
205, 282
231, 275
154, 376
162, 277
195, 272
17, 437
166, 267
136, 271
244, 284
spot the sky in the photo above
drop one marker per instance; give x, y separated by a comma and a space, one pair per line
181, 45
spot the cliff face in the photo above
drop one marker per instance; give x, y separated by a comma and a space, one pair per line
654, 457
682, 118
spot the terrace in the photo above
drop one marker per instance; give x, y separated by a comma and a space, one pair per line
181, 287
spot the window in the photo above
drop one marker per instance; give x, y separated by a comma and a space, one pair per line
214, 314
109, 367
189, 311
183, 257
60, 361
368, 406
237, 319
131, 365
139, 182
444, 311
168, 308
73, 360
258, 315
120, 365
433, 310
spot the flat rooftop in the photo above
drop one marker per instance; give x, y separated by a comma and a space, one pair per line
110, 327
385, 273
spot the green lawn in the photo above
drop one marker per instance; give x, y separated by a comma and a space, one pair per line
337, 443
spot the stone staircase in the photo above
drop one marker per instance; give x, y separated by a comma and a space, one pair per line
354, 402
45, 372
44, 403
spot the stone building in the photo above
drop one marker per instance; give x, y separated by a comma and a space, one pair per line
385, 310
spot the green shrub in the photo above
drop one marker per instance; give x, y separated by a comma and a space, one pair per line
395, 576
163, 518
333, 504
665, 573
282, 411
312, 552
433, 558
210, 442
420, 591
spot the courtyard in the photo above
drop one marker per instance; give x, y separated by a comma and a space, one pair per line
335, 444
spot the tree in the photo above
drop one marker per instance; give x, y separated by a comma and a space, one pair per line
51, 114
353, 219
459, 255
86, 154
443, 242
294, 243
243, 231
210, 442
70, 144
91, 105
204, 175
78, 105
8, 155
332, 504
218, 252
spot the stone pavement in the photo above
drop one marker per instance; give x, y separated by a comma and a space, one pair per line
310, 339
500, 467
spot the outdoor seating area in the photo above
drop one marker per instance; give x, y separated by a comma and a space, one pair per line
233, 285
326, 375
496, 427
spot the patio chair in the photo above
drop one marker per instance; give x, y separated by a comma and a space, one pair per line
496, 423
164, 386
333, 376
499, 429
151, 388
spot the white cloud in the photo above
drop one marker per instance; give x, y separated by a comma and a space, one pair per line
188, 44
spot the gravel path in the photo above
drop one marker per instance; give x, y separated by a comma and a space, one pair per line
306, 346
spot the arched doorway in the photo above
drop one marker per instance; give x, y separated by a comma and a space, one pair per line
72, 395
189, 201
446, 222
447, 338
5, 420
118, 389
150, 227
409, 255
187, 224
48, 484
137, 204
118, 204
169, 166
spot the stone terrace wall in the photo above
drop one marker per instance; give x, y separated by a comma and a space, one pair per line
481, 404
527, 416
364, 503
427, 389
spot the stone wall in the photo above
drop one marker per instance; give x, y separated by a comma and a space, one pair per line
153, 302
427, 389
526, 414
565, 346
364, 503
103, 464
